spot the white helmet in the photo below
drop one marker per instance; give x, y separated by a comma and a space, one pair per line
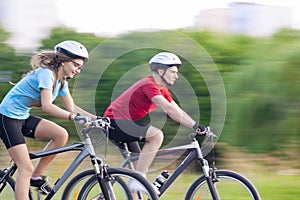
72, 49
164, 60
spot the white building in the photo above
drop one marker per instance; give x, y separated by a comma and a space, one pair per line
246, 18
28, 21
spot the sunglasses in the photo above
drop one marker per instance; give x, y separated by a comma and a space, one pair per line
77, 65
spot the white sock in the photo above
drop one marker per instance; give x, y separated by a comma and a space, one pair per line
143, 174
36, 178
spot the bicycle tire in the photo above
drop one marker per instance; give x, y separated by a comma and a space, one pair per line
231, 185
74, 186
8, 190
121, 176
93, 181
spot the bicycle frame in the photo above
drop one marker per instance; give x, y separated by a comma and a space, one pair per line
75, 163
85, 148
194, 153
101, 175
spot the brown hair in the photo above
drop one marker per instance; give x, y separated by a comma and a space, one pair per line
50, 60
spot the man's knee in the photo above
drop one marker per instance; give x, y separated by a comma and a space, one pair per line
155, 134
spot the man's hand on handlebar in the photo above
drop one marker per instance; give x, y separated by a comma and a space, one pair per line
103, 122
200, 129
100, 123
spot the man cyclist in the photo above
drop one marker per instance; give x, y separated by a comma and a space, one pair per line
140, 99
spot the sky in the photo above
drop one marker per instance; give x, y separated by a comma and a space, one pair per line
29, 21
117, 16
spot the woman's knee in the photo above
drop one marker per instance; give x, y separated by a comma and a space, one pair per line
20, 156
61, 136
48, 129
58, 138
26, 170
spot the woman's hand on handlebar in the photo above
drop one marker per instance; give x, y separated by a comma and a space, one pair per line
84, 120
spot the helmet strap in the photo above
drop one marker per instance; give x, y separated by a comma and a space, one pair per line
162, 77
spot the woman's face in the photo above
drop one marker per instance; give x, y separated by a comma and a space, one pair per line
72, 67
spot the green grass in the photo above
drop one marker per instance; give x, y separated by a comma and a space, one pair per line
270, 185
278, 187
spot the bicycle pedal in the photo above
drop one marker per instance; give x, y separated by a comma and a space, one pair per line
40, 192
42, 185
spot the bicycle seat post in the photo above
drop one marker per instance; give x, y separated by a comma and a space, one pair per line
126, 153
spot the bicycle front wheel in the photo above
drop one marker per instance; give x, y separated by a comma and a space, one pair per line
120, 179
73, 188
229, 185
7, 187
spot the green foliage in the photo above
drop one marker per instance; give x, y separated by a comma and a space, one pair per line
227, 51
60, 34
9, 61
260, 76
263, 108
11, 65
285, 36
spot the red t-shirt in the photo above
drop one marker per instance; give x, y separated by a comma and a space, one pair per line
135, 102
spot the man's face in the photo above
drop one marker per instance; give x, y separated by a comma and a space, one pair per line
171, 75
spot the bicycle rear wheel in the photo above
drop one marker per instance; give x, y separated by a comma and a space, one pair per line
230, 185
120, 177
7, 188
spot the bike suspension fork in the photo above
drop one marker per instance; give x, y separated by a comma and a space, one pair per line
210, 177
103, 178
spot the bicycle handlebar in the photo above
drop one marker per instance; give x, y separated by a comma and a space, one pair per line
102, 123
208, 133
82, 119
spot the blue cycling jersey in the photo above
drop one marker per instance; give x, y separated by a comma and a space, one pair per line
27, 93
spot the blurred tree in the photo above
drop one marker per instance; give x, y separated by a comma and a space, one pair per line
260, 76
11, 65
263, 99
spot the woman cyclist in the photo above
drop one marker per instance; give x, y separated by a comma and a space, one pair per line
39, 88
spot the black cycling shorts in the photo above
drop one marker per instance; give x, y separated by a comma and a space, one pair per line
12, 131
128, 131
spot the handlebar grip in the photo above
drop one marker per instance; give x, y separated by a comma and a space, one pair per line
82, 119
208, 133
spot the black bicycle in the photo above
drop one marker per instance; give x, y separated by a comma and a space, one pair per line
214, 184
110, 183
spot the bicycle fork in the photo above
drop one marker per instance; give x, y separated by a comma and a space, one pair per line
211, 179
209, 173
103, 178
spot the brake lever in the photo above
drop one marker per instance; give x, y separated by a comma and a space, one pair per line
87, 129
208, 133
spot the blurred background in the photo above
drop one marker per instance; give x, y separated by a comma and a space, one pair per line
254, 44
